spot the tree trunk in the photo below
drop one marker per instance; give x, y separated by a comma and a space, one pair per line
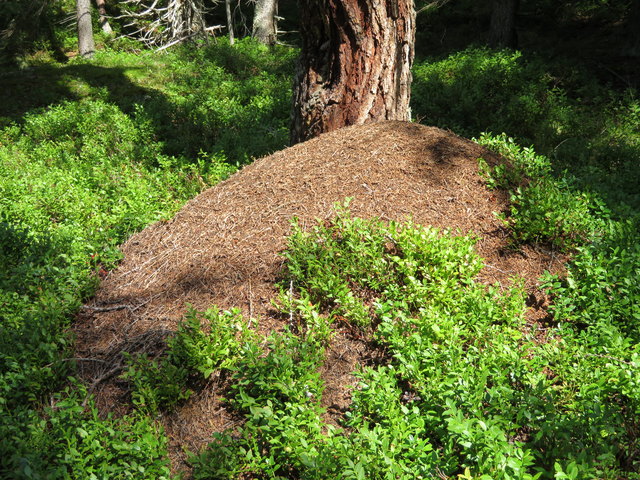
264, 21
633, 30
86, 47
503, 24
355, 65
104, 23
229, 21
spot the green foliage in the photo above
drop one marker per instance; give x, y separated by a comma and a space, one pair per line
192, 352
555, 105
466, 389
278, 394
480, 90
70, 440
601, 291
28, 26
542, 208
156, 384
199, 99
595, 305
79, 177
217, 349
286, 374
64, 171
76, 180
551, 211
242, 91
520, 163
194, 101
353, 267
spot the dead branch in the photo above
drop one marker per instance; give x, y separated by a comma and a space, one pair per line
164, 23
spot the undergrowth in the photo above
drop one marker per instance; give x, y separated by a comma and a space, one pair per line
75, 182
95, 152
193, 358
466, 389
100, 149
553, 104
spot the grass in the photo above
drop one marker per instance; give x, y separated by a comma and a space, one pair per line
100, 149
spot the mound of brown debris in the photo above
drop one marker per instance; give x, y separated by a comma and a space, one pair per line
222, 248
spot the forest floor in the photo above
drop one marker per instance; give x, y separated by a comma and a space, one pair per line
223, 249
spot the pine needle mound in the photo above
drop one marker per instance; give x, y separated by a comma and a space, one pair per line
223, 248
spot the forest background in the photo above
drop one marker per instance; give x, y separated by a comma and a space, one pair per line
94, 149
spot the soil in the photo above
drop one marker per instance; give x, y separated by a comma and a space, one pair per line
223, 248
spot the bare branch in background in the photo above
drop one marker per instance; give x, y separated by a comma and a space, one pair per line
432, 5
162, 23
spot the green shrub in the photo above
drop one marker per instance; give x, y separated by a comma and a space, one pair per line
480, 90
542, 208
278, 393
192, 352
75, 181
70, 440
466, 388
595, 306
520, 163
156, 384
551, 211
286, 374
218, 94
205, 353
601, 289
353, 267
558, 107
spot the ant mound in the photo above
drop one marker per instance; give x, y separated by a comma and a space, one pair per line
223, 248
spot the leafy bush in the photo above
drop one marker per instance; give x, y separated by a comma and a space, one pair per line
466, 389
76, 180
204, 353
156, 384
554, 105
65, 171
286, 374
70, 440
217, 94
551, 211
601, 290
480, 90
542, 208
278, 393
191, 352
595, 306
354, 267
520, 163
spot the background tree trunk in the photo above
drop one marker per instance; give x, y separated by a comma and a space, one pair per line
227, 4
633, 30
355, 65
104, 23
503, 32
264, 21
86, 47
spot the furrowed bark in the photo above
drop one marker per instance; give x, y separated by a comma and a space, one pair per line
355, 65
